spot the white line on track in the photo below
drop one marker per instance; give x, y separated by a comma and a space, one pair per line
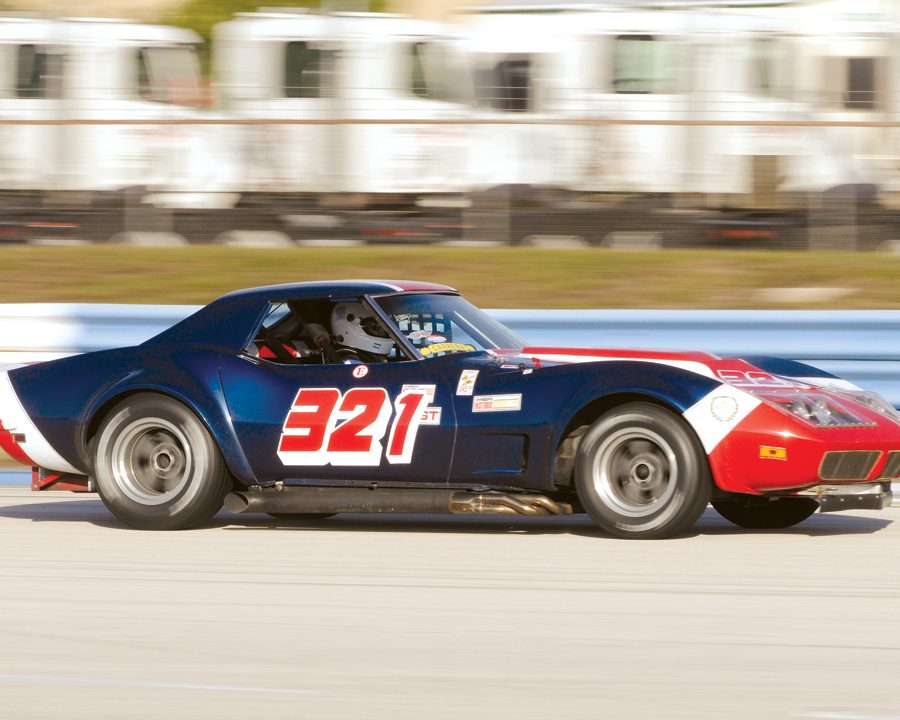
826, 715
147, 684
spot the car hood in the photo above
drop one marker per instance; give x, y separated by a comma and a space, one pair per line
755, 372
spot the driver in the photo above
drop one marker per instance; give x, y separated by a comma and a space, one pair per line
358, 334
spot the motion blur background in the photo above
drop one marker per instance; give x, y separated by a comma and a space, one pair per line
682, 155
614, 124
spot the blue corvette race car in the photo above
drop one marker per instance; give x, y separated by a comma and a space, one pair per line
311, 399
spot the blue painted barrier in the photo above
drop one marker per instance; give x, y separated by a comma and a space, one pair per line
862, 346
15, 478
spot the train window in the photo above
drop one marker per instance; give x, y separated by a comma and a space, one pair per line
418, 78
33, 72
762, 67
641, 65
307, 70
862, 74
439, 71
770, 68
507, 85
169, 75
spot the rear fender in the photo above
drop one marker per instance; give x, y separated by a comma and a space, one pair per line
194, 387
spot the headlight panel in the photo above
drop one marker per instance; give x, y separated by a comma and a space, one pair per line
873, 401
816, 409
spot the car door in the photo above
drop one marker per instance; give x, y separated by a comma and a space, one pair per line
375, 422
504, 432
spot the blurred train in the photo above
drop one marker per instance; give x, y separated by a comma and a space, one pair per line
61, 81
606, 122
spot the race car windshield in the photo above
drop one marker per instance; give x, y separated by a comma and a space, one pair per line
441, 324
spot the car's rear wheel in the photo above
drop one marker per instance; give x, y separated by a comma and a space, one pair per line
760, 513
156, 466
641, 473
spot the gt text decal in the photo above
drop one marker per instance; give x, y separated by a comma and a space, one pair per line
325, 427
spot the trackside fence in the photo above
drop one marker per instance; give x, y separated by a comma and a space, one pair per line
861, 346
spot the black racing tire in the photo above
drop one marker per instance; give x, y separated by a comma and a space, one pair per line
300, 517
760, 513
156, 465
640, 472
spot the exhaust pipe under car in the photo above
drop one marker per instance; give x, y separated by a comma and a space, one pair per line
392, 500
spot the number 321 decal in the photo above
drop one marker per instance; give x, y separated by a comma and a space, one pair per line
326, 427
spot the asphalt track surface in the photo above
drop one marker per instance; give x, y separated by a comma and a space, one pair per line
461, 617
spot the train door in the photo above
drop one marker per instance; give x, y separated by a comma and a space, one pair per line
29, 154
414, 77
644, 83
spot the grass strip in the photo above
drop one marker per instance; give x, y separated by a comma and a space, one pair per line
501, 277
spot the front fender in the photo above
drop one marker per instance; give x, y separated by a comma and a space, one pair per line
677, 388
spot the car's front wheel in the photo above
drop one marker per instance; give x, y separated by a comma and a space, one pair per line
156, 466
641, 473
760, 513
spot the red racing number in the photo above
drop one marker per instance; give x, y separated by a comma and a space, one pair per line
325, 428
307, 425
409, 407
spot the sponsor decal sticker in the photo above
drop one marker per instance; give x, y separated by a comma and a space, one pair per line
772, 453
466, 384
360, 371
724, 408
418, 334
446, 347
435, 338
713, 417
426, 390
497, 403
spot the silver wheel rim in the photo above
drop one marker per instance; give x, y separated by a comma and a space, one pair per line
151, 461
635, 472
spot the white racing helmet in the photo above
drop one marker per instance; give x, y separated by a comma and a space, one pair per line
352, 325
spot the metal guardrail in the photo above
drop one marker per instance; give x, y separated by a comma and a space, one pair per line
45, 331
861, 346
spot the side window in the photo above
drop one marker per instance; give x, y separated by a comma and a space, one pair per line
642, 65
275, 314
763, 82
169, 74
33, 72
862, 79
322, 332
507, 85
770, 67
308, 70
418, 79
283, 338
